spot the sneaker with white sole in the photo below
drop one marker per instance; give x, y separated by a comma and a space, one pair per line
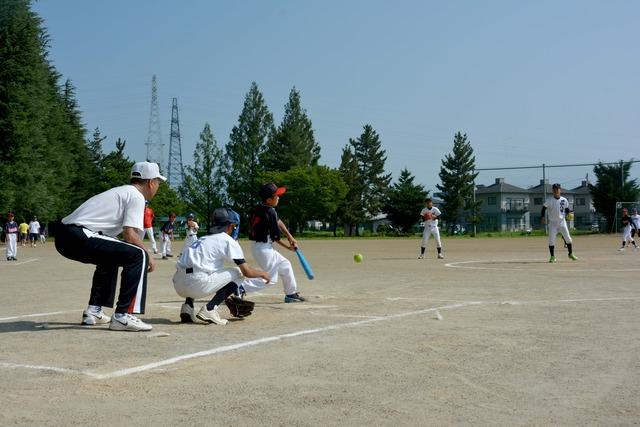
440, 256
187, 314
421, 256
90, 318
211, 316
128, 322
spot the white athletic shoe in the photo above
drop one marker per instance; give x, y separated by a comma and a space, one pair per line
211, 316
440, 256
421, 256
128, 322
621, 250
90, 318
187, 314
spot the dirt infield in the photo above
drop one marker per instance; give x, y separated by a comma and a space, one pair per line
493, 334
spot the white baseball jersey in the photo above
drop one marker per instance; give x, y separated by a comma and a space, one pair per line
556, 208
434, 213
209, 253
109, 212
34, 227
193, 231
636, 220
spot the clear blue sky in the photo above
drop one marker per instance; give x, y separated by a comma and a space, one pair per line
529, 82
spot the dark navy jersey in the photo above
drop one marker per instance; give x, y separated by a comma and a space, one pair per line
626, 220
11, 227
263, 224
167, 227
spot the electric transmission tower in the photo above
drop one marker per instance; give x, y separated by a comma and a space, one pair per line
155, 147
175, 172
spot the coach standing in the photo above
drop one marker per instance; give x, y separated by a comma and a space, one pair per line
89, 235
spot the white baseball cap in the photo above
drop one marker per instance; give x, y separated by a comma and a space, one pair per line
146, 170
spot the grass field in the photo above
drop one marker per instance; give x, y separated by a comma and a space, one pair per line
493, 334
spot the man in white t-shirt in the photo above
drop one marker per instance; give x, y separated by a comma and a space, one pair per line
89, 235
34, 231
430, 214
200, 271
557, 207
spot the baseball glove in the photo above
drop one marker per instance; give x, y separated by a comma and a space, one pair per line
239, 307
427, 216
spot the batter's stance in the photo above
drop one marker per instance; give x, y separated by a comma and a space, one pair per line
89, 235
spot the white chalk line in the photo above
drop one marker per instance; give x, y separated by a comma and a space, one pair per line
19, 262
22, 316
459, 264
252, 343
232, 347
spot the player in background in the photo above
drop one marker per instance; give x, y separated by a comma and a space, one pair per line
430, 215
167, 236
200, 270
43, 234
88, 235
192, 231
265, 230
11, 237
627, 234
635, 219
34, 231
149, 215
24, 232
558, 207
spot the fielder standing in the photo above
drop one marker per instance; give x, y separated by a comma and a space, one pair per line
34, 231
200, 271
558, 207
11, 237
430, 214
89, 235
192, 231
149, 215
265, 230
167, 236
628, 230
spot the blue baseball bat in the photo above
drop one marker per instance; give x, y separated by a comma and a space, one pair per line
305, 264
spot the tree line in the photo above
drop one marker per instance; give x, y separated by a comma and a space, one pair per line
48, 165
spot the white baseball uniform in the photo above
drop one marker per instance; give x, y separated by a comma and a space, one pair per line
556, 209
192, 234
431, 226
200, 270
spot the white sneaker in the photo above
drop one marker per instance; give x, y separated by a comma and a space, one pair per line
421, 256
440, 256
187, 314
90, 318
211, 316
621, 250
128, 322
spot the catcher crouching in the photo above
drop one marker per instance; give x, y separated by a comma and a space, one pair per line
200, 272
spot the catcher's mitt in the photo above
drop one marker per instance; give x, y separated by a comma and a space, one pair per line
239, 307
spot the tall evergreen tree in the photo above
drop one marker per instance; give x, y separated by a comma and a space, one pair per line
294, 143
457, 176
39, 132
613, 185
203, 185
370, 157
116, 168
244, 150
350, 210
404, 202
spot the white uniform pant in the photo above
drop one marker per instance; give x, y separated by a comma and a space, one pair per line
202, 284
11, 241
276, 265
558, 226
626, 234
428, 231
166, 244
152, 238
